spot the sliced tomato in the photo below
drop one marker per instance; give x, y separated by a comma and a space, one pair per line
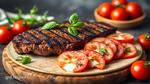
108, 42
119, 51
122, 37
129, 50
73, 61
96, 60
101, 48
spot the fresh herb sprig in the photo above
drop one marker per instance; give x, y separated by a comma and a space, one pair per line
50, 25
24, 59
74, 24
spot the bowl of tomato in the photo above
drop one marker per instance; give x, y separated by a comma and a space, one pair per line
120, 13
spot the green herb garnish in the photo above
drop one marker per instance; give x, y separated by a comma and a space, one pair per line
50, 25
102, 51
74, 24
24, 59
127, 49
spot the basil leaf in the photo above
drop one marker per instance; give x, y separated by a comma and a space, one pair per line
73, 31
102, 51
78, 24
50, 25
73, 18
24, 59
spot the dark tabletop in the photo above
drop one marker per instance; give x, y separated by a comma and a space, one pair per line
61, 9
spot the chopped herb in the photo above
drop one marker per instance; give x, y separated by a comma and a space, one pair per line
127, 49
50, 25
102, 51
24, 59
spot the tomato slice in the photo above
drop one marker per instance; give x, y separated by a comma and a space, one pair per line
108, 42
96, 60
119, 51
73, 61
101, 48
129, 50
122, 37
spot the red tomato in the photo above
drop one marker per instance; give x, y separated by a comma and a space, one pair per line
105, 9
129, 50
96, 60
101, 48
73, 61
144, 40
119, 2
134, 10
122, 37
5, 35
108, 42
19, 27
119, 51
141, 70
119, 14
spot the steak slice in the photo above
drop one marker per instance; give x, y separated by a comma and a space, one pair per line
57, 40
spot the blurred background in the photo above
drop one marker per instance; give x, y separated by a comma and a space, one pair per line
60, 9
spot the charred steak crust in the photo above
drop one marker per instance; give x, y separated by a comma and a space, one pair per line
57, 40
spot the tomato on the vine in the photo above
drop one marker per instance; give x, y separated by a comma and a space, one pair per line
105, 9
5, 35
19, 27
144, 40
141, 70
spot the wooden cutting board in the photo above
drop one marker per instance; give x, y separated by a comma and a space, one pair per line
45, 70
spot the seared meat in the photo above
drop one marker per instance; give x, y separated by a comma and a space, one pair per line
57, 40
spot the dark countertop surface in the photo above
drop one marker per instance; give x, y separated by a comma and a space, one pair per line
61, 9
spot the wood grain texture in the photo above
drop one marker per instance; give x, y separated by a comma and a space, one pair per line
32, 77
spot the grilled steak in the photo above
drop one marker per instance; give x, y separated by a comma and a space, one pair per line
57, 40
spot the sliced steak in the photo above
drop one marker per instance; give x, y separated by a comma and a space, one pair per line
57, 40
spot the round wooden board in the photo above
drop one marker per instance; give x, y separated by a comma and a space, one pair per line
29, 76
49, 64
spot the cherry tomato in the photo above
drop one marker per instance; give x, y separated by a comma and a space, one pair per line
119, 2
122, 37
134, 10
144, 40
96, 60
101, 48
108, 42
73, 61
129, 50
5, 35
141, 70
105, 9
119, 14
19, 27
119, 51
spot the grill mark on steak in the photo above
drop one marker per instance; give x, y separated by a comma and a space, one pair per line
64, 30
57, 40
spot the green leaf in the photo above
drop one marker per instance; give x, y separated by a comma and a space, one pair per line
102, 51
73, 31
19, 15
50, 25
24, 59
34, 10
73, 18
78, 24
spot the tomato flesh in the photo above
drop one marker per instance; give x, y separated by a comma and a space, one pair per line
96, 60
122, 37
129, 50
97, 46
78, 59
